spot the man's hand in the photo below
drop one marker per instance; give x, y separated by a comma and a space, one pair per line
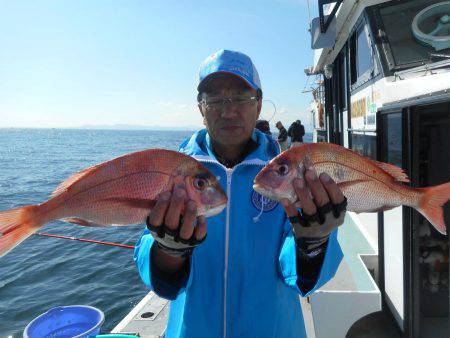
323, 209
172, 223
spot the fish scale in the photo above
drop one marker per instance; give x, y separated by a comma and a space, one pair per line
382, 196
121, 191
370, 186
95, 205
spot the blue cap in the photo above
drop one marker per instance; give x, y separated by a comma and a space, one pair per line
228, 61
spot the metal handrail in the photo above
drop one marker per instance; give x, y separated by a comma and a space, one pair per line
362, 130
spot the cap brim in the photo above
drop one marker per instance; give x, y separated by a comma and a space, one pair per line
204, 84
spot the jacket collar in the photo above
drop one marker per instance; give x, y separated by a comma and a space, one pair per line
200, 144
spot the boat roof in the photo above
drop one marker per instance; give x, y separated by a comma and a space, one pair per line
346, 17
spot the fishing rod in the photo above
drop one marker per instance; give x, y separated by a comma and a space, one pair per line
274, 109
85, 240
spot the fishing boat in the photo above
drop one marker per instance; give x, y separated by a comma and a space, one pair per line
382, 71
382, 88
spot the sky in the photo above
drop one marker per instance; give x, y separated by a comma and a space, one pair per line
107, 62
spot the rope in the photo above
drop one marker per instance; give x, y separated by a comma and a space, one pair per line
263, 202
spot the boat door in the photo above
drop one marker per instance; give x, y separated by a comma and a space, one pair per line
429, 307
337, 98
391, 142
414, 257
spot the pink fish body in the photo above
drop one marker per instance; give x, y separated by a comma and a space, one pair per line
370, 186
121, 191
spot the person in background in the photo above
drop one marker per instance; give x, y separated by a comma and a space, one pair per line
282, 136
263, 125
296, 131
244, 278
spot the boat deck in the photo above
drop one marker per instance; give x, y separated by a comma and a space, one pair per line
324, 318
148, 318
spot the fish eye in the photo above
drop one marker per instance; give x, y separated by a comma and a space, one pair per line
200, 183
283, 169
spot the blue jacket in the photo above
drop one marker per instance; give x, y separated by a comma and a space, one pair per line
242, 280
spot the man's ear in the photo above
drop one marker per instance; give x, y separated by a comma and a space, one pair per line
200, 107
258, 107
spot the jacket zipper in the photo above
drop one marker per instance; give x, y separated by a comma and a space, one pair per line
227, 234
229, 173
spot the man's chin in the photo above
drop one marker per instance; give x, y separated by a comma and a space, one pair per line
233, 137
233, 134
232, 129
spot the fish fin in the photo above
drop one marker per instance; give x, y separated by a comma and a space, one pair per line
397, 173
344, 185
133, 202
71, 180
385, 208
18, 224
82, 222
381, 209
431, 205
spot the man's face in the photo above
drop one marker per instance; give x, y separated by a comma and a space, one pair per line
230, 124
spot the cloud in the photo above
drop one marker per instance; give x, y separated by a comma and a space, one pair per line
293, 2
239, 14
169, 113
166, 103
283, 110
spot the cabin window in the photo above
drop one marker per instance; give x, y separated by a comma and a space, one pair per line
321, 136
364, 59
361, 57
401, 42
365, 143
343, 79
393, 129
353, 73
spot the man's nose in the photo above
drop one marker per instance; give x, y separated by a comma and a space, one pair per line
228, 110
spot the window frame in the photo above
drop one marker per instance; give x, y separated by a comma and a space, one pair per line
363, 26
364, 135
382, 41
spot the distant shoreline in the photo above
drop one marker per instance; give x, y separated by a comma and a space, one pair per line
107, 128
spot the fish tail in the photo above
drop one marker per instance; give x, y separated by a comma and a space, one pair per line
18, 224
431, 205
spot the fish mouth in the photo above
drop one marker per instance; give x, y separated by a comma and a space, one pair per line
214, 210
266, 193
273, 195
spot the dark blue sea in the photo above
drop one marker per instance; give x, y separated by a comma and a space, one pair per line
43, 272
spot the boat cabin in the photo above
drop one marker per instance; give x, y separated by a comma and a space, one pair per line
382, 72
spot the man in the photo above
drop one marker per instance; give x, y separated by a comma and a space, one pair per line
244, 278
282, 136
263, 125
296, 131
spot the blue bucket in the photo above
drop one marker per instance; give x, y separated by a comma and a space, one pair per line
78, 321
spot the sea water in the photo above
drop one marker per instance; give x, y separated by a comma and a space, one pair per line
41, 272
